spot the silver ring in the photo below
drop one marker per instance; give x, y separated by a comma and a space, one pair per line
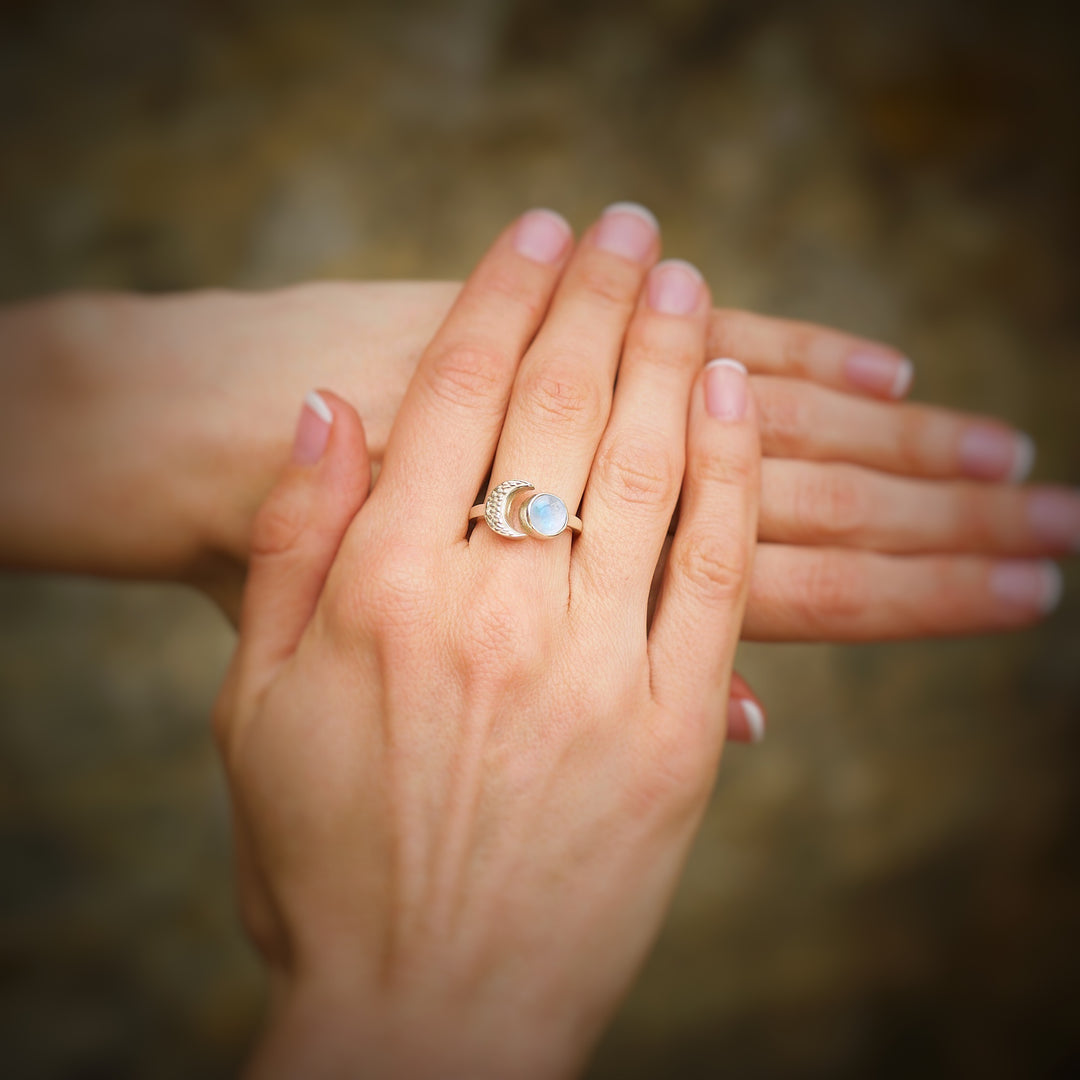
542, 515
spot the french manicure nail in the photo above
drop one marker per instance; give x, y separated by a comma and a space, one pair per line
542, 235
1054, 517
880, 373
988, 452
725, 389
1033, 585
675, 287
751, 713
1024, 460
312, 430
627, 229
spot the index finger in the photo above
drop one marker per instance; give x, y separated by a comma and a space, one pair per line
444, 437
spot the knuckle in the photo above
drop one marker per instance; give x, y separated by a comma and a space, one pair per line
392, 592
279, 523
974, 516
498, 642
727, 330
553, 392
832, 503
467, 374
511, 285
714, 565
912, 438
735, 468
799, 341
608, 282
783, 415
834, 589
636, 470
947, 595
664, 346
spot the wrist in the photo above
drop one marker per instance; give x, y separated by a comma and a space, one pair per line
323, 1029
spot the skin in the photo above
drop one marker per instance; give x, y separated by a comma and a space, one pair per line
138, 435
465, 770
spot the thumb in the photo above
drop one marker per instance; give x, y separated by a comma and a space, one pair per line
298, 529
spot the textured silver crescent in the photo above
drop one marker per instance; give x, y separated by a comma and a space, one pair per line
498, 502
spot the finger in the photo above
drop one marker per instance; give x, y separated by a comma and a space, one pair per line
800, 420
456, 401
745, 714
802, 350
637, 470
562, 394
298, 530
806, 502
699, 612
827, 594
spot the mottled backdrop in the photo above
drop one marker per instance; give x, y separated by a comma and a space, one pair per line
890, 886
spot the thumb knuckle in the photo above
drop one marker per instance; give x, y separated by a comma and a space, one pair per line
279, 523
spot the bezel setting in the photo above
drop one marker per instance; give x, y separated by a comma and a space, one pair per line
528, 520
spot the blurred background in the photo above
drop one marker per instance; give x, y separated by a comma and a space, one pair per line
890, 884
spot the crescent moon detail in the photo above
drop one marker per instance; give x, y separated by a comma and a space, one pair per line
498, 503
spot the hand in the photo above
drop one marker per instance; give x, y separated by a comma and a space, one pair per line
465, 773
140, 435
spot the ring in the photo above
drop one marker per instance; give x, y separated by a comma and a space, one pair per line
541, 515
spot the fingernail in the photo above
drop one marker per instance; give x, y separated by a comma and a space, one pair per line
1054, 517
880, 373
627, 229
996, 453
1032, 585
675, 287
725, 389
542, 235
312, 430
1024, 461
751, 713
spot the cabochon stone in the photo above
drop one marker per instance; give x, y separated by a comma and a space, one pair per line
548, 514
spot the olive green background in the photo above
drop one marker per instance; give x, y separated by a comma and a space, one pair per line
890, 885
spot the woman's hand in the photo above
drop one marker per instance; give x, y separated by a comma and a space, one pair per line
138, 435
465, 769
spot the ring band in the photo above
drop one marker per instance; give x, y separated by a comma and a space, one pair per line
542, 515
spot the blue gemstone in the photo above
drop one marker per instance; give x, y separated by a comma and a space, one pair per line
546, 514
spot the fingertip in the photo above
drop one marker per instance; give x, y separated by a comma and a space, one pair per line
726, 390
542, 235
345, 444
312, 430
879, 373
905, 376
677, 287
745, 720
1024, 458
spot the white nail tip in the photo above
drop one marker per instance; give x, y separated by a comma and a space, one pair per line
755, 719
1054, 588
642, 212
726, 362
1024, 460
905, 373
319, 407
684, 264
548, 212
